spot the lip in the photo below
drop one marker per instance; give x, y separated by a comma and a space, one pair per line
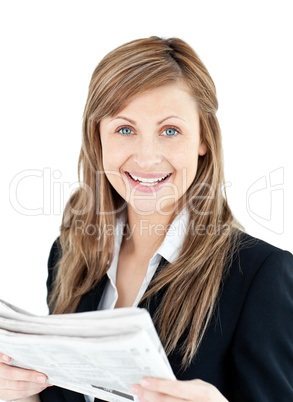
147, 189
147, 175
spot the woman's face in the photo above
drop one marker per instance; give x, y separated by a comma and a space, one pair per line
156, 133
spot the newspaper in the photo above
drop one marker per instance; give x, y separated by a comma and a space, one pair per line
97, 353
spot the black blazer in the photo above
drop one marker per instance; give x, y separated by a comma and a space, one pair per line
247, 350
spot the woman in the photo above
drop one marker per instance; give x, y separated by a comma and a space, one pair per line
151, 162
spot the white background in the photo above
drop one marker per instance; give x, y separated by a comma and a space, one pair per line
49, 50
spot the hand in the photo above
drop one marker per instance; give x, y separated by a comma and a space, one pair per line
17, 383
155, 389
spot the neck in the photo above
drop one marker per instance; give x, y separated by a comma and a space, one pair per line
144, 233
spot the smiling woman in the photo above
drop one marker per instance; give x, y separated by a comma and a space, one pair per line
151, 158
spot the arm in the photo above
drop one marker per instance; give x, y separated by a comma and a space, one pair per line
262, 350
262, 347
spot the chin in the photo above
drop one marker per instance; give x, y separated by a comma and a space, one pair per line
150, 208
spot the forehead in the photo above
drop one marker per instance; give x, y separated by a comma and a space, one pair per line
172, 99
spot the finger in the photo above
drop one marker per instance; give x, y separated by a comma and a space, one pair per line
184, 390
9, 395
4, 358
169, 387
149, 396
20, 385
18, 374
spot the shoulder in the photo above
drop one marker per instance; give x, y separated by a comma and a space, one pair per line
259, 271
254, 256
257, 250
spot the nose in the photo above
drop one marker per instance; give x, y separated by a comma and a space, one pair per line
147, 154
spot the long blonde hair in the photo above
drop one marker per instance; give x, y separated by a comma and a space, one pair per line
194, 279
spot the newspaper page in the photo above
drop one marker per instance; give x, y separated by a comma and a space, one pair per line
98, 353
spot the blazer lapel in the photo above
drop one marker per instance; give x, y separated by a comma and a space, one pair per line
153, 303
91, 299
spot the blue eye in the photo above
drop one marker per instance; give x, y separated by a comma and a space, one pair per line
170, 132
124, 128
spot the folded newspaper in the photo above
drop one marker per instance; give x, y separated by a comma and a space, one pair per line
97, 353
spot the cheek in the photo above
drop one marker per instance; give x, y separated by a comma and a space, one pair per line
112, 156
186, 159
186, 168
113, 159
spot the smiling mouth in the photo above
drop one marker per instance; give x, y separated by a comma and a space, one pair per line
148, 182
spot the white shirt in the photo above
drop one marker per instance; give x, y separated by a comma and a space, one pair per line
169, 249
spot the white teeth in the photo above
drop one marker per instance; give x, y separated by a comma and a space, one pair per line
148, 182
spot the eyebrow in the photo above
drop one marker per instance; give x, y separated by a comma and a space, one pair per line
133, 122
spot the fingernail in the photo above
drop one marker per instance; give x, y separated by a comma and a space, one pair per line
41, 378
134, 389
145, 383
5, 358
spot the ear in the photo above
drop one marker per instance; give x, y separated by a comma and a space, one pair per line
202, 149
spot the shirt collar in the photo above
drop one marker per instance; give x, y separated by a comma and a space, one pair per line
172, 243
171, 246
